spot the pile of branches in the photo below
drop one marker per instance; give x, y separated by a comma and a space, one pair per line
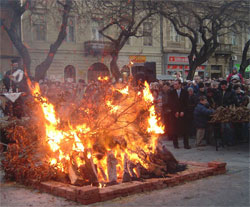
24, 157
28, 153
231, 114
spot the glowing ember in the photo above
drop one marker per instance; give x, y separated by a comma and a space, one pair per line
124, 90
105, 78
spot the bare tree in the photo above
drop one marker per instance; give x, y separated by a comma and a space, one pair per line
245, 61
207, 20
125, 17
12, 31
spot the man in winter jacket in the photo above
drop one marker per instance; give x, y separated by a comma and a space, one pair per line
201, 117
226, 96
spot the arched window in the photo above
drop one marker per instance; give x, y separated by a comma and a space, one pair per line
96, 70
70, 74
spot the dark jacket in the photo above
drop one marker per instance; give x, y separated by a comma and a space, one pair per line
198, 95
201, 115
178, 125
7, 81
240, 97
165, 101
229, 98
191, 106
178, 104
212, 102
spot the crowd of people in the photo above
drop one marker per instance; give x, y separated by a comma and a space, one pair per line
186, 108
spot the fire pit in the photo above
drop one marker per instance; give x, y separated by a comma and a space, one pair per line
96, 149
91, 194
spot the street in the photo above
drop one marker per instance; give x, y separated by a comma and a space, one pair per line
230, 189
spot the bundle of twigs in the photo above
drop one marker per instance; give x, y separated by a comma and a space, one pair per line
24, 157
231, 114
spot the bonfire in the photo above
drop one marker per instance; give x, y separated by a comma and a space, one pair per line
110, 136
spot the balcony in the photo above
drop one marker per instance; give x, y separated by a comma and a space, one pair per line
96, 48
224, 49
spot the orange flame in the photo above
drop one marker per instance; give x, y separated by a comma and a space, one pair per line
103, 79
124, 90
74, 140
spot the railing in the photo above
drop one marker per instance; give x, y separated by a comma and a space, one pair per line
97, 48
224, 49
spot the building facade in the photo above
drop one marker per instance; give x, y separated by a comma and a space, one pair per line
84, 46
227, 56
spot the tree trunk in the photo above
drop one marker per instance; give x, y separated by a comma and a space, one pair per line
114, 67
42, 68
191, 72
17, 41
22, 50
126, 176
243, 67
244, 61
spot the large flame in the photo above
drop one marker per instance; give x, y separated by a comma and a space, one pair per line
113, 127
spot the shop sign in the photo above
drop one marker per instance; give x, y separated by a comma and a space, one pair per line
185, 67
137, 58
177, 59
175, 67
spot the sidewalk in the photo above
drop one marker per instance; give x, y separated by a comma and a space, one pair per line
231, 189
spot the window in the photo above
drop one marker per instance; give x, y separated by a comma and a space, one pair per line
39, 27
234, 38
147, 33
173, 34
71, 30
96, 35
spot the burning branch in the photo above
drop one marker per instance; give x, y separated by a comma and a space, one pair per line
112, 136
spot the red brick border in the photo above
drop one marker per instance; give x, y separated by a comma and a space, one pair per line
90, 194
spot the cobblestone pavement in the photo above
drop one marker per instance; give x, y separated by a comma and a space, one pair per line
230, 189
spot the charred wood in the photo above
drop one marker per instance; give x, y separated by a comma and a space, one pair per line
88, 170
126, 176
111, 164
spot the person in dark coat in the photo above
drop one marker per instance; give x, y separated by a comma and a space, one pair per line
239, 93
227, 97
201, 117
165, 107
201, 91
178, 104
211, 98
190, 112
9, 80
15, 81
